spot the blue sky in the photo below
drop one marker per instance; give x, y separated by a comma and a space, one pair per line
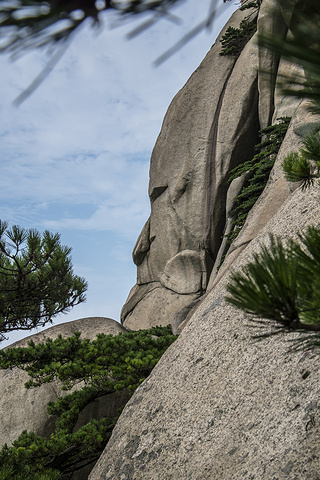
75, 155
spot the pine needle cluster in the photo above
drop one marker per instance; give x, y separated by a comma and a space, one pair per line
282, 283
304, 166
29, 24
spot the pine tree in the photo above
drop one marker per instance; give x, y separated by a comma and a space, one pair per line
304, 166
103, 366
281, 283
29, 24
36, 279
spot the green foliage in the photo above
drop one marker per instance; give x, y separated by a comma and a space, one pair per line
282, 283
270, 145
304, 166
14, 465
104, 366
127, 358
258, 169
235, 39
247, 5
32, 456
267, 286
36, 279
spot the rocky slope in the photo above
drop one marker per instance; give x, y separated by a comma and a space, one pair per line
218, 405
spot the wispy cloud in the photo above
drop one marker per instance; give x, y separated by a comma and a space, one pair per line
75, 156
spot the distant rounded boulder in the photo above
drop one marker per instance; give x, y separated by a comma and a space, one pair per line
29, 412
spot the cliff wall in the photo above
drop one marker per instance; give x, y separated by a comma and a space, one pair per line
210, 128
219, 405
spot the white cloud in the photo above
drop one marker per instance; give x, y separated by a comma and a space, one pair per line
75, 155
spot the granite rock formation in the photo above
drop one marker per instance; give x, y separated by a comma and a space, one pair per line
176, 249
210, 127
218, 405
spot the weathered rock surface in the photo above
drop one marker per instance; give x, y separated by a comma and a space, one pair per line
29, 412
211, 126
206, 131
219, 405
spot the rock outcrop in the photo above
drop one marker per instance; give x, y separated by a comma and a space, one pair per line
206, 132
23, 409
218, 405
211, 127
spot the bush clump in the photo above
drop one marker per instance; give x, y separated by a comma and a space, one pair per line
258, 168
102, 366
235, 39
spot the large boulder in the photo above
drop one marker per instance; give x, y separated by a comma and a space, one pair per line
23, 409
219, 404
211, 126
206, 131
